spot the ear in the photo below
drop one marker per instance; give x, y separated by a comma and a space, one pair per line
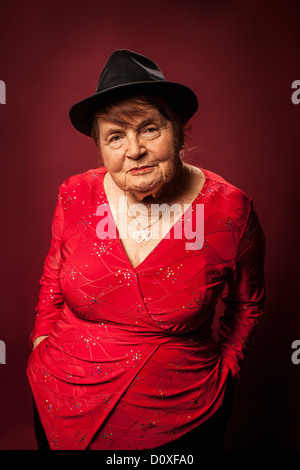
182, 152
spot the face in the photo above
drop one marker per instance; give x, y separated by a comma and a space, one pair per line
140, 156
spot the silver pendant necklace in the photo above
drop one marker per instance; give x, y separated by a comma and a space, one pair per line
144, 234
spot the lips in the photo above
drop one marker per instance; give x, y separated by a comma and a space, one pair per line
140, 169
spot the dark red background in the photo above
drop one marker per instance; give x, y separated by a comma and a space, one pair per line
241, 59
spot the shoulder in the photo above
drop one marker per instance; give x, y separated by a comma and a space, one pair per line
217, 187
88, 177
81, 184
225, 202
218, 181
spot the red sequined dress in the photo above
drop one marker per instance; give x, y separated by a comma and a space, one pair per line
130, 361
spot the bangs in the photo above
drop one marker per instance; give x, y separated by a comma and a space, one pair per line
125, 110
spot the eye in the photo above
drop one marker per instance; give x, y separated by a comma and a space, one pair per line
151, 131
114, 138
115, 141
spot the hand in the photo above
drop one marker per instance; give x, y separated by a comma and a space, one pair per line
38, 340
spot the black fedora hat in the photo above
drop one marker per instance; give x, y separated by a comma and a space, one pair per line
125, 73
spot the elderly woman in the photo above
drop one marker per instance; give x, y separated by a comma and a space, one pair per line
143, 248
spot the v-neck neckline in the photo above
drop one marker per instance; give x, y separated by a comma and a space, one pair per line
136, 268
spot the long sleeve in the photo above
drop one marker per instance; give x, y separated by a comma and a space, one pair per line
50, 296
245, 294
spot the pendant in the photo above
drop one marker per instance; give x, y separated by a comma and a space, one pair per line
142, 235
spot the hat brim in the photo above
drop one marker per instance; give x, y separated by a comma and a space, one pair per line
181, 98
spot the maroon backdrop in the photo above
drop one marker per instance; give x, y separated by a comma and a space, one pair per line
241, 59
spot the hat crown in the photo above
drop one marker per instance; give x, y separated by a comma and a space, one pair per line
135, 68
125, 74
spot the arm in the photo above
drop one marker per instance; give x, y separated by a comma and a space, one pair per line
245, 295
50, 297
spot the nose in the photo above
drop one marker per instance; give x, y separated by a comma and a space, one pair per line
134, 147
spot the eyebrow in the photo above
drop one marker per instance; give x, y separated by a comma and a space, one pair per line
112, 131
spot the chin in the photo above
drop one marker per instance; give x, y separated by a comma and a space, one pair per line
145, 184
143, 191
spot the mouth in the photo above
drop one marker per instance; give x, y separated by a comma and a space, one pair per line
141, 169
